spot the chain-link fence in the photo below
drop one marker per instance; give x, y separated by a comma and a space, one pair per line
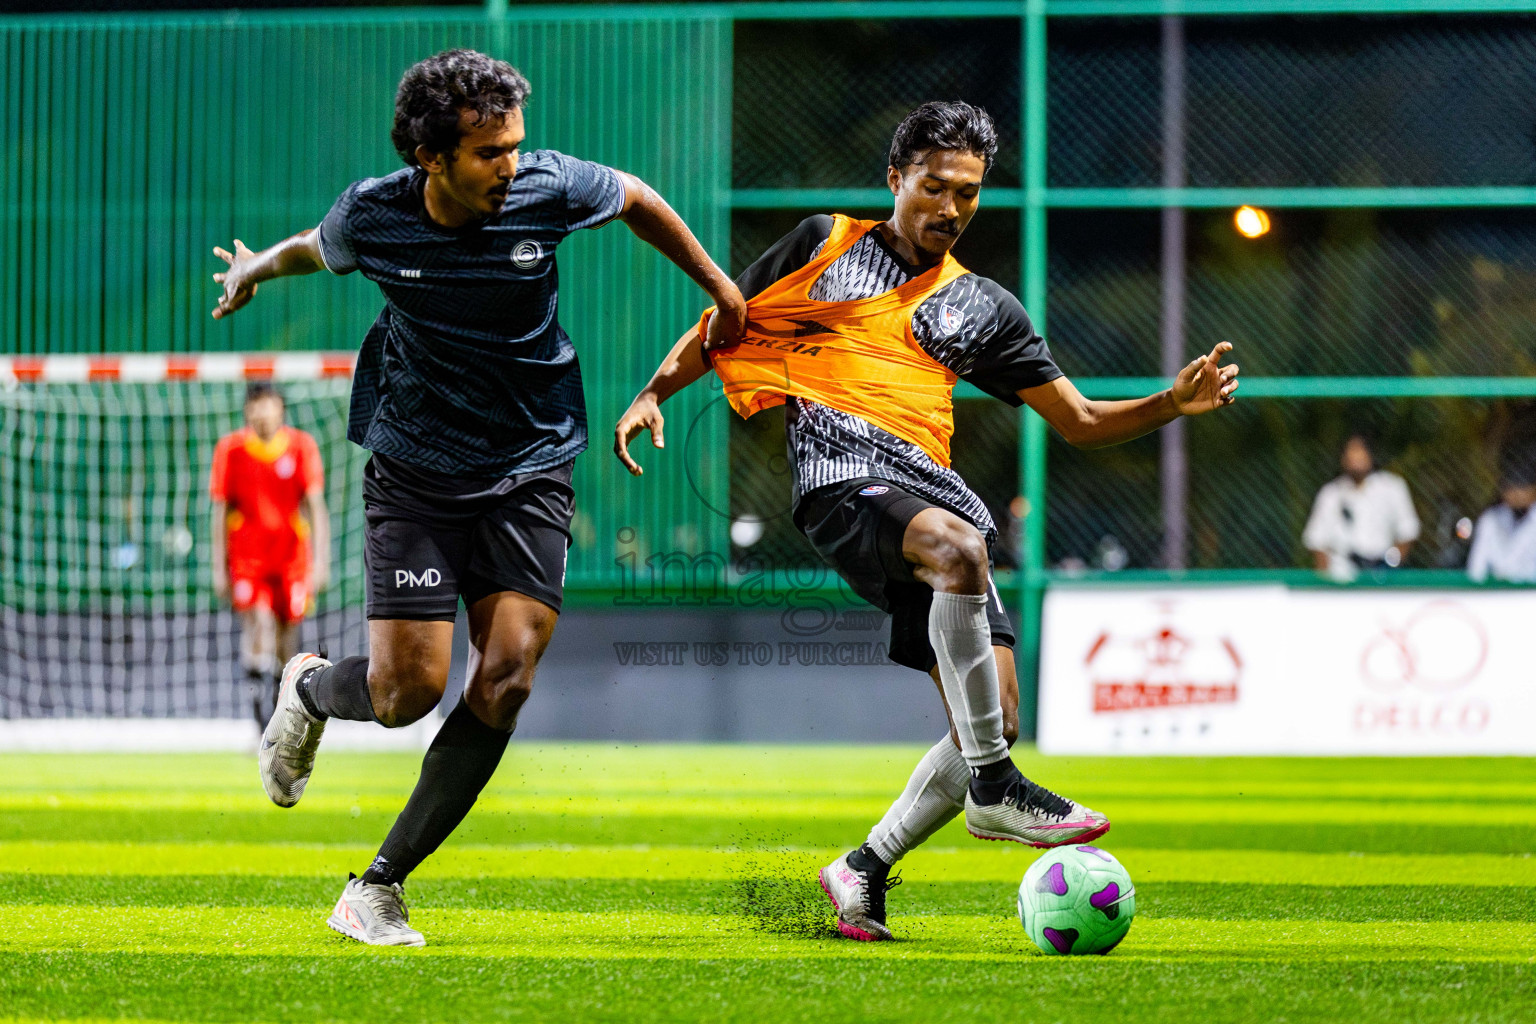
1255, 470
1343, 101
1435, 101
1338, 101
815, 102
1346, 292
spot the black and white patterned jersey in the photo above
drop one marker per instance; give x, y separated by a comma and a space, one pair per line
467, 370
973, 326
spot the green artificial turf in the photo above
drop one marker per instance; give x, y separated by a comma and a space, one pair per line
678, 883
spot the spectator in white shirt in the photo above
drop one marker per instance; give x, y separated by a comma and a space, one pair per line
1363, 519
1504, 540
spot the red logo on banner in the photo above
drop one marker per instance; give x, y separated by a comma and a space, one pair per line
1140, 696
1441, 646
1164, 670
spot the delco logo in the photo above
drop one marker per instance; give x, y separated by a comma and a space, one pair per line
1441, 646
426, 578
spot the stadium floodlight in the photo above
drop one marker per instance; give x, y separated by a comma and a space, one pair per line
1251, 221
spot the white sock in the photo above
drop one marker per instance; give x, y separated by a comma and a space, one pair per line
934, 795
957, 628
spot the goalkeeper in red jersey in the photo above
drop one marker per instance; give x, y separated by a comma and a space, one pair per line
271, 536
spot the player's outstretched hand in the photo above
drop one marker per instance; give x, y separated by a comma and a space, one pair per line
643, 414
237, 292
1205, 384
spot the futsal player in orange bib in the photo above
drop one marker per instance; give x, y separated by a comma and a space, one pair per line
271, 536
861, 330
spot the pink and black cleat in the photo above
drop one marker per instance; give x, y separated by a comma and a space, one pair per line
859, 897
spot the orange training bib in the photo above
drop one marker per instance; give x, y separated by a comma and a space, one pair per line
858, 357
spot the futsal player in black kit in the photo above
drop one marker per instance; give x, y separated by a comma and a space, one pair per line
468, 394
861, 329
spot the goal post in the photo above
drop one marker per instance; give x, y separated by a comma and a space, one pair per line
107, 607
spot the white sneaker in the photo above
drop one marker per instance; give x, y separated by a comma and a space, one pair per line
1031, 814
287, 753
375, 914
859, 897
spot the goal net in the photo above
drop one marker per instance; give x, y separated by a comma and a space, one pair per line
107, 608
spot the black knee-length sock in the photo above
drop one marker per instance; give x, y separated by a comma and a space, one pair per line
256, 680
340, 691
460, 761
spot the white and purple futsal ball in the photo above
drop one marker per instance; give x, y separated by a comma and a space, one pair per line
1075, 900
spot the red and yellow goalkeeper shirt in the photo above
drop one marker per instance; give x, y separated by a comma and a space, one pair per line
264, 484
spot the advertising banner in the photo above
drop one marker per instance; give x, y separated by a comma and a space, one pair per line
1269, 670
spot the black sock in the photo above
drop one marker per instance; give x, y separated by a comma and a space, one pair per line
997, 771
340, 691
460, 761
865, 859
255, 678
989, 782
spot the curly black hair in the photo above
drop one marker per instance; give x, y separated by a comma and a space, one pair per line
944, 125
434, 92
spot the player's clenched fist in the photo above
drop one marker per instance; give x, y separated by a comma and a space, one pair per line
729, 323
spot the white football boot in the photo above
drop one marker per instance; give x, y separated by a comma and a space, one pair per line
859, 897
1031, 814
375, 914
288, 745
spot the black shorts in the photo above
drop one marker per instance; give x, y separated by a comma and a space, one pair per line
432, 538
857, 526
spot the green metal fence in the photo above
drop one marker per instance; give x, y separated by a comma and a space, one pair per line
1392, 149
140, 143
1391, 139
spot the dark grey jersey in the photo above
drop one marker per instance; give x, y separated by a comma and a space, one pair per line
972, 325
467, 369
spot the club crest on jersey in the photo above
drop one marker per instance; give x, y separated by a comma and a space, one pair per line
950, 319
526, 254
873, 489
285, 467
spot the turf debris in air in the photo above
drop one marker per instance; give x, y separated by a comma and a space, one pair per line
776, 889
